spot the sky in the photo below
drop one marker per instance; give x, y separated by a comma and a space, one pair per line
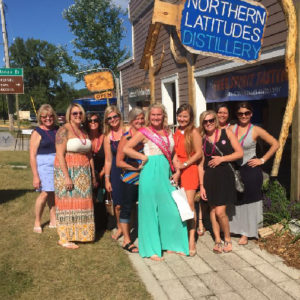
42, 19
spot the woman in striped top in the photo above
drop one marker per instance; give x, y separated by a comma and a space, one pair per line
130, 175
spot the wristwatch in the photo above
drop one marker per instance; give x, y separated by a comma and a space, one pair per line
185, 164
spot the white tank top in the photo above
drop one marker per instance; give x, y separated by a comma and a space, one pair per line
75, 145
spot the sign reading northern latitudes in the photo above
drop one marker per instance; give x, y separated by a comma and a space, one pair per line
230, 29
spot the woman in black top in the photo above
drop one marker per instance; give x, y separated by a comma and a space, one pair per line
220, 146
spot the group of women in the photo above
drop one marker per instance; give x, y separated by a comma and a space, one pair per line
138, 162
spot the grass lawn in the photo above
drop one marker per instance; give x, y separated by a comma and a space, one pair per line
33, 266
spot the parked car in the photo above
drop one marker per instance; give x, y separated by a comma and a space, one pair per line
61, 118
32, 118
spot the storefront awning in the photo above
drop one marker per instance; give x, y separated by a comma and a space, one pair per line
262, 82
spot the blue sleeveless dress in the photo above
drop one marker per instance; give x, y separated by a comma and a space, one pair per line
115, 175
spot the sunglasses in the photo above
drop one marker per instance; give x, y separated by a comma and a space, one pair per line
45, 117
209, 121
112, 117
93, 121
246, 113
76, 113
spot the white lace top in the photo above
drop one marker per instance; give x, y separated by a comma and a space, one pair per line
151, 149
75, 145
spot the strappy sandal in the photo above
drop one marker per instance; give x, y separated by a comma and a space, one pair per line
218, 248
37, 229
227, 246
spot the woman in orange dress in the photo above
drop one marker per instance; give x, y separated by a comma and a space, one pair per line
188, 151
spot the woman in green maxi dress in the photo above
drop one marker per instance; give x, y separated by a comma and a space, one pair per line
160, 226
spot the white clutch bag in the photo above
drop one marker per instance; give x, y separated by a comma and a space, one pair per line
183, 206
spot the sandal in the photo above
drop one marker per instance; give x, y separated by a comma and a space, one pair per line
201, 231
243, 241
218, 248
130, 247
68, 245
227, 246
116, 236
37, 229
155, 257
193, 253
52, 226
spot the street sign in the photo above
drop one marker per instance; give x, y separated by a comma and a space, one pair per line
11, 81
11, 71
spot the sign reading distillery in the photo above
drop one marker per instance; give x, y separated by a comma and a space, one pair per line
225, 28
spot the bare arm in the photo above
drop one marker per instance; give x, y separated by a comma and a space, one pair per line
107, 164
61, 140
129, 147
35, 140
268, 138
201, 179
121, 163
237, 154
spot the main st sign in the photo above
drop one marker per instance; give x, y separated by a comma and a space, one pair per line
11, 81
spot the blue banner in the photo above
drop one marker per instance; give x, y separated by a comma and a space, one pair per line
261, 82
230, 29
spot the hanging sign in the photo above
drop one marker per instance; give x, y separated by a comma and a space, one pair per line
100, 81
228, 29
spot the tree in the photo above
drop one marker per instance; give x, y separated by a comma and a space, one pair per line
43, 65
97, 26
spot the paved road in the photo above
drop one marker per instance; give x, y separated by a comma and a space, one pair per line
245, 273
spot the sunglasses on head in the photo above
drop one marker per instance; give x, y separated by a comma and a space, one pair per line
246, 113
209, 121
93, 121
112, 117
75, 113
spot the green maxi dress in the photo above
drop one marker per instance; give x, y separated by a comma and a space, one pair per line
160, 226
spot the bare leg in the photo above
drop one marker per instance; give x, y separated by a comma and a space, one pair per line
51, 205
215, 225
243, 240
117, 215
201, 229
192, 223
220, 212
39, 207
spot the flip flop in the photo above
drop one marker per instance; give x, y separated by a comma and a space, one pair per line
37, 229
116, 236
130, 249
68, 245
52, 226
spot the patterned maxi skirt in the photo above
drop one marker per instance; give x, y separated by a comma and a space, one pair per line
74, 209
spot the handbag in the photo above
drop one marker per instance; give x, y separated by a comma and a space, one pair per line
109, 204
239, 185
183, 206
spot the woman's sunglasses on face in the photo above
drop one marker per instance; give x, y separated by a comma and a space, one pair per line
48, 116
93, 121
76, 113
246, 113
209, 121
112, 117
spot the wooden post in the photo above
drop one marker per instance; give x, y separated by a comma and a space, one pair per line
295, 155
152, 79
290, 13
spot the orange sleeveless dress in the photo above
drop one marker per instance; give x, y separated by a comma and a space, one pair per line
189, 176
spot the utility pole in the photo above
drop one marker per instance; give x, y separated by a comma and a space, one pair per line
9, 98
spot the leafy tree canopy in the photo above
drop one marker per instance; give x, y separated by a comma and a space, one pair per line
43, 64
97, 26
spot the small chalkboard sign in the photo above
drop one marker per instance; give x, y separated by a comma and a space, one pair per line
230, 29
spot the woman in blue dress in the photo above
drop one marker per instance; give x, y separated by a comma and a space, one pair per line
113, 131
160, 227
42, 154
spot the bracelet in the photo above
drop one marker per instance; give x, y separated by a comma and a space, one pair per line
106, 176
262, 160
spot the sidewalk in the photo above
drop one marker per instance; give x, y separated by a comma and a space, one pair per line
245, 273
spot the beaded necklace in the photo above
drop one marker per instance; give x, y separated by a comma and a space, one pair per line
214, 144
242, 139
83, 142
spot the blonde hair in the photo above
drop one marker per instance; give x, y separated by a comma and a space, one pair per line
69, 110
109, 109
203, 116
188, 131
48, 109
163, 109
136, 111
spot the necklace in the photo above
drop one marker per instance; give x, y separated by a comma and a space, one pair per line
214, 144
83, 142
114, 141
98, 144
243, 137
